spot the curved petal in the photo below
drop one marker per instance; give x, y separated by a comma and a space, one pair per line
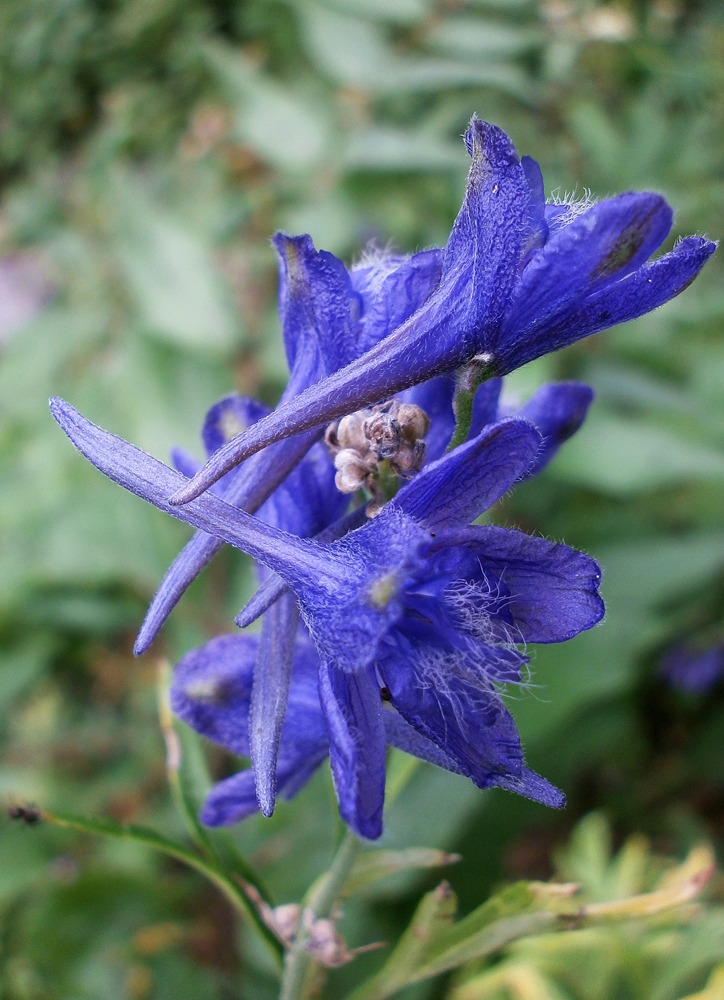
234, 799
458, 487
402, 735
315, 307
646, 289
440, 697
610, 240
229, 417
353, 711
553, 588
392, 295
211, 690
269, 694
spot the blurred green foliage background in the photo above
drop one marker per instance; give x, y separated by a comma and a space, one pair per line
148, 150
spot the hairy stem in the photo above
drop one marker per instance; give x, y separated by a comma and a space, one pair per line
467, 381
318, 903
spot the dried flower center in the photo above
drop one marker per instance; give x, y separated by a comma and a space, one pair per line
374, 446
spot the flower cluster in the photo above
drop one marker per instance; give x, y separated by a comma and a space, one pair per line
389, 617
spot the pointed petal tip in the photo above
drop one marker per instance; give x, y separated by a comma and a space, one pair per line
490, 143
141, 644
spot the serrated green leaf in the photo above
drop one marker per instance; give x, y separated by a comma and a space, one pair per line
432, 917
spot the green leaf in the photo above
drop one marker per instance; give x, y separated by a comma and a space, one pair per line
432, 917
177, 289
472, 37
156, 841
285, 129
501, 919
618, 455
372, 867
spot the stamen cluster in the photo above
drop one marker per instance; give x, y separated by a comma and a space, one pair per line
369, 445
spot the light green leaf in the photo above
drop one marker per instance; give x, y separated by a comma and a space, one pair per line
171, 275
372, 867
618, 455
432, 917
357, 54
282, 127
472, 37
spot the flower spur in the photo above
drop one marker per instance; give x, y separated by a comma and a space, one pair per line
329, 317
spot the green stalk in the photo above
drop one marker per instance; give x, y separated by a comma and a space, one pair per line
468, 379
142, 835
319, 902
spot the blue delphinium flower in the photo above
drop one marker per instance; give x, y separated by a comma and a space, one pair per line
518, 278
329, 317
693, 671
212, 692
557, 409
416, 604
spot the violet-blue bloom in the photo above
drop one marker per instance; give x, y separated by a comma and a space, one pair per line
305, 503
517, 279
211, 692
329, 318
557, 409
417, 604
693, 671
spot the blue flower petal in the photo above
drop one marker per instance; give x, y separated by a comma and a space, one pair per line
458, 487
443, 697
638, 293
532, 786
353, 711
557, 410
229, 417
553, 588
610, 240
270, 691
211, 690
234, 799
402, 735
392, 290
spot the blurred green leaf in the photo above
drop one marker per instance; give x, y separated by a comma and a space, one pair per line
617, 455
171, 275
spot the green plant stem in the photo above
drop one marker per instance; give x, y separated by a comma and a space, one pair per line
468, 379
234, 893
319, 902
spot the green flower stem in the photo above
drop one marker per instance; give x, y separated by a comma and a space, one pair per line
467, 381
234, 892
319, 902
